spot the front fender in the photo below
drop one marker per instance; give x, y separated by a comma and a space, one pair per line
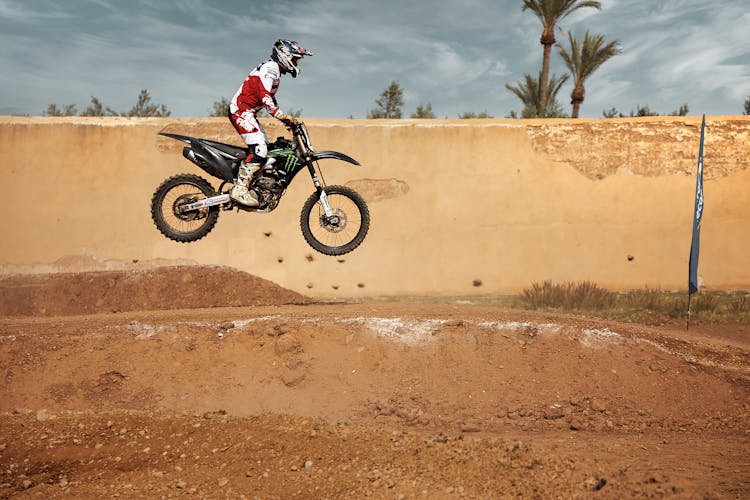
319, 155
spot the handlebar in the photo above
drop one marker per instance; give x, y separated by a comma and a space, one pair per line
292, 126
299, 131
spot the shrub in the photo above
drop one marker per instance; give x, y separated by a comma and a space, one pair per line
584, 296
651, 306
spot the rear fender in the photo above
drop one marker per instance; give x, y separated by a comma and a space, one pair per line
206, 157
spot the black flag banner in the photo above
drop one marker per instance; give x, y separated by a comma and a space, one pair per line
697, 216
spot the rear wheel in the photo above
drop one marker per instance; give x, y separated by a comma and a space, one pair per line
167, 203
344, 229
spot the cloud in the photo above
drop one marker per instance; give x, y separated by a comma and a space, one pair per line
22, 14
458, 57
674, 51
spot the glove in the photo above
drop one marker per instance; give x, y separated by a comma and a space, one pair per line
287, 119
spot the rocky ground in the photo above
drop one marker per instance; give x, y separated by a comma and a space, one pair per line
115, 384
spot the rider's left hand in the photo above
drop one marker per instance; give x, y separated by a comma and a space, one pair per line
288, 120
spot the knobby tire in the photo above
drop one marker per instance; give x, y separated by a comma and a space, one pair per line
340, 198
171, 225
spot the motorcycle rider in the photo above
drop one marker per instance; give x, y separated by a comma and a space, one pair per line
256, 92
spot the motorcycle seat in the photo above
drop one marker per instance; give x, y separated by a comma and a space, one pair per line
236, 152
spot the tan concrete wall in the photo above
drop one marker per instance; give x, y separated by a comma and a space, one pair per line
507, 202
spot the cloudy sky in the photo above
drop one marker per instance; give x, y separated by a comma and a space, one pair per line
455, 55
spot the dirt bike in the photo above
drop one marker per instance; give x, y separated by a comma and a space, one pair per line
185, 207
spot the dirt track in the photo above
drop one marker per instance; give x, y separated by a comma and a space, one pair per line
381, 399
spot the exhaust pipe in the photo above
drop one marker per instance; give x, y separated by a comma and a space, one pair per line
188, 153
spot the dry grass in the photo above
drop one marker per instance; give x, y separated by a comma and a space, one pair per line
584, 296
642, 306
646, 306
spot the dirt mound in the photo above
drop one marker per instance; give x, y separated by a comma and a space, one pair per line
179, 287
380, 400
375, 399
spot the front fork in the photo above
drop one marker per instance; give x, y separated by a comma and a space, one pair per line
322, 193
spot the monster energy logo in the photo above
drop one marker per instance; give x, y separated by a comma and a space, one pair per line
291, 158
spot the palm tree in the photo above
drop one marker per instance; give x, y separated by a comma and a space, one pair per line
529, 93
549, 13
582, 59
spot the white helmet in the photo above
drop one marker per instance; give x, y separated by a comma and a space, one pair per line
287, 53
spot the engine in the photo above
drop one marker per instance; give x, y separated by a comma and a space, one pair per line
268, 188
268, 182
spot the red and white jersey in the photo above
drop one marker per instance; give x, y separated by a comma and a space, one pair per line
258, 90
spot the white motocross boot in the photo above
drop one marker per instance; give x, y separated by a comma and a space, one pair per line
240, 193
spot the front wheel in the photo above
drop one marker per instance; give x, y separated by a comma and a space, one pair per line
169, 217
344, 229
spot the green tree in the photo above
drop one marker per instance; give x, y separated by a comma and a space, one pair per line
144, 107
639, 111
747, 106
423, 111
470, 114
529, 92
582, 59
97, 109
550, 12
220, 107
390, 102
682, 111
644, 111
66, 110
